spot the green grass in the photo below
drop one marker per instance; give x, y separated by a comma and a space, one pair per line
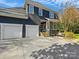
77, 36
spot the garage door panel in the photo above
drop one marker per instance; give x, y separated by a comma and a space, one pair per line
32, 30
11, 31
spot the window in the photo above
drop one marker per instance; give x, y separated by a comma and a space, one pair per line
36, 10
31, 9
46, 13
51, 14
40, 12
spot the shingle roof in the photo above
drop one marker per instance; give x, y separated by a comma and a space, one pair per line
37, 19
17, 10
13, 12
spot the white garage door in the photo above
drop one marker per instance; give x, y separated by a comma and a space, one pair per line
11, 31
32, 31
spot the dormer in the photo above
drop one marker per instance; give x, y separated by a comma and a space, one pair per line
40, 10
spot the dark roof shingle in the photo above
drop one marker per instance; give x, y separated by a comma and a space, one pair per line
13, 12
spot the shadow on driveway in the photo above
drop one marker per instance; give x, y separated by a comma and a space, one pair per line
67, 51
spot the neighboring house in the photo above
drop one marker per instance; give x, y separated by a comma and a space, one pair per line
14, 23
43, 16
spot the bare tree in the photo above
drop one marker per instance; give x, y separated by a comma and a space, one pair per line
70, 18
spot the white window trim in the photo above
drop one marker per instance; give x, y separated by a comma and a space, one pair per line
31, 9
51, 15
40, 12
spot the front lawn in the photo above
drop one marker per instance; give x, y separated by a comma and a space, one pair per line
77, 36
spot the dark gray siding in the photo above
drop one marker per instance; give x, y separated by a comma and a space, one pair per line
0, 31
4, 19
45, 13
36, 10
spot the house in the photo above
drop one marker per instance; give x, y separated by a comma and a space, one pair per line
29, 21
43, 16
14, 23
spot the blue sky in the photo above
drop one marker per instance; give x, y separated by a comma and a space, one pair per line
57, 5
52, 4
11, 3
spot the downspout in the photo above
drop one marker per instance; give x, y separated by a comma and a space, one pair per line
28, 10
26, 7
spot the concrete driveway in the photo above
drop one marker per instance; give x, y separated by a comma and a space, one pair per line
23, 48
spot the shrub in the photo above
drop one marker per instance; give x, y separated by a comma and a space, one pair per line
69, 35
77, 36
60, 27
45, 34
76, 28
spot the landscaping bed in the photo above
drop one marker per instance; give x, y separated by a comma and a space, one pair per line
77, 36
